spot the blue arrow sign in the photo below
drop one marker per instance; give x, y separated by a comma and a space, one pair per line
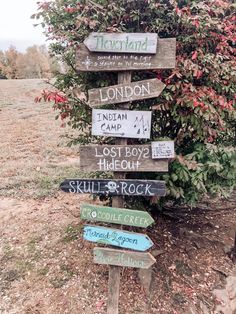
116, 237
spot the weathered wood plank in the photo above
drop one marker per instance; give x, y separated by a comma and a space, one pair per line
125, 92
112, 187
116, 237
102, 61
128, 158
123, 258
122, 216
163, 149
122, 42
121, 123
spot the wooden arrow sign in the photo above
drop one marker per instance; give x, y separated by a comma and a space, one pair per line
116, 237
102, 61
114, 187
125, 92
122, 216
123, 258
122, 42
128, 158
121, 123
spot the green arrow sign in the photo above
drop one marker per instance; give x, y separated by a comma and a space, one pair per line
114, 215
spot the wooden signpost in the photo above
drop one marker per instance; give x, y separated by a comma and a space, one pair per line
116, 237
122, 52
122, 42
121, 158
123, 258
122, 216
121, 123
103, 61
163, 149
125, 92
114, 187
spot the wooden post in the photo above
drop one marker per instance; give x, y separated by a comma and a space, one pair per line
234, 249
117, 201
